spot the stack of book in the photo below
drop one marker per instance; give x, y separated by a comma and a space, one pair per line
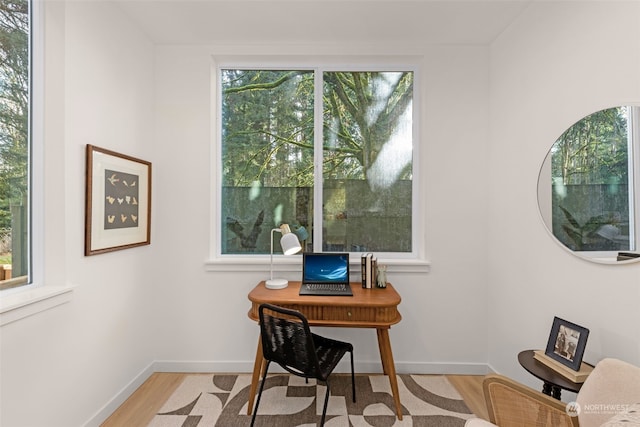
369, 265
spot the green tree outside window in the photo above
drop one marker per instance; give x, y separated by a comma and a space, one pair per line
270, 142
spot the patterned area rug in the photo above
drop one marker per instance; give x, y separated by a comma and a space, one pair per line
287, 401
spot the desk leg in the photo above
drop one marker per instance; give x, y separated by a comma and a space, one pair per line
383, 357
389, 367
258, 365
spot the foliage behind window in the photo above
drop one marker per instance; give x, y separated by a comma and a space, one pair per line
271, 136
14, 140
590, 177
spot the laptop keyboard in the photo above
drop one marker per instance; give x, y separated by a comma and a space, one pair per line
326, 289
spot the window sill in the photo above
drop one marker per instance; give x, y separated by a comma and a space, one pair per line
28, 302
293, 264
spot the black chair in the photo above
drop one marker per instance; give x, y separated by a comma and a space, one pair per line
288, 341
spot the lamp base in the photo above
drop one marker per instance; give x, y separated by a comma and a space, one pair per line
276, 283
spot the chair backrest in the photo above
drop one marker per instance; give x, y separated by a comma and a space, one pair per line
513, 404
612, 386
287, 340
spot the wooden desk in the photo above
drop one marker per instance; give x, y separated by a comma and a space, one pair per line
368, 308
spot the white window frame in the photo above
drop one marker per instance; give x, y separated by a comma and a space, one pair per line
36, 296
410, 262
634, 173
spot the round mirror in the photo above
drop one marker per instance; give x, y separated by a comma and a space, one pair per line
587, 186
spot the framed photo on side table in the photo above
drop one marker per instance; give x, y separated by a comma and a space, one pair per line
566, 343
118, 201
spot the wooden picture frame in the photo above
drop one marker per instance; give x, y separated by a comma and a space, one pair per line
567, 342
118, 201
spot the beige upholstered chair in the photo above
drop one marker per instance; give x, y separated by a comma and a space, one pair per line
610, 390
612, 387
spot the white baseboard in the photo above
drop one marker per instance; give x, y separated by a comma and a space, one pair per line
371, 367
120, 397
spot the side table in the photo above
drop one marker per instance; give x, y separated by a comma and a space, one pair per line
553, 382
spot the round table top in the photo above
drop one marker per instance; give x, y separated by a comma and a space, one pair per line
545, 373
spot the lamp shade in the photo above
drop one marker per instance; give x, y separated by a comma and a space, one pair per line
290, 244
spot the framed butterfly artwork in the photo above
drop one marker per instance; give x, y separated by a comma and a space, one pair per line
118, 201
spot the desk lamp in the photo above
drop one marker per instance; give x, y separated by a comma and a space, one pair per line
290, 245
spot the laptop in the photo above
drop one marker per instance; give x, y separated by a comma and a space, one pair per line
325, 273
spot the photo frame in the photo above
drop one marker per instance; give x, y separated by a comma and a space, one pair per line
567, 342
118, 201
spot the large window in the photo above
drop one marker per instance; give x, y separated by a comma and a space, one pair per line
328, 152
14, 142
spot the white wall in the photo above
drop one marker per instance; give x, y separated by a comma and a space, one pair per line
61, 366
204, 314
557, 63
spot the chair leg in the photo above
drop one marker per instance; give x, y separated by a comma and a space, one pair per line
264, 379
353, 380
326, 401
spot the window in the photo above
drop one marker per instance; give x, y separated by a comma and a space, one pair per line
15, 189
328, 152
592, 178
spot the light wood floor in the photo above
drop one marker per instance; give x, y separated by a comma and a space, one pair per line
470, 388
145, 402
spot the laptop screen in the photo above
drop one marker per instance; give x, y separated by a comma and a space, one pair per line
325, 267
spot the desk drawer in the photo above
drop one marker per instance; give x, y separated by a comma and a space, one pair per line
346, 316
359, 314
366, 315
